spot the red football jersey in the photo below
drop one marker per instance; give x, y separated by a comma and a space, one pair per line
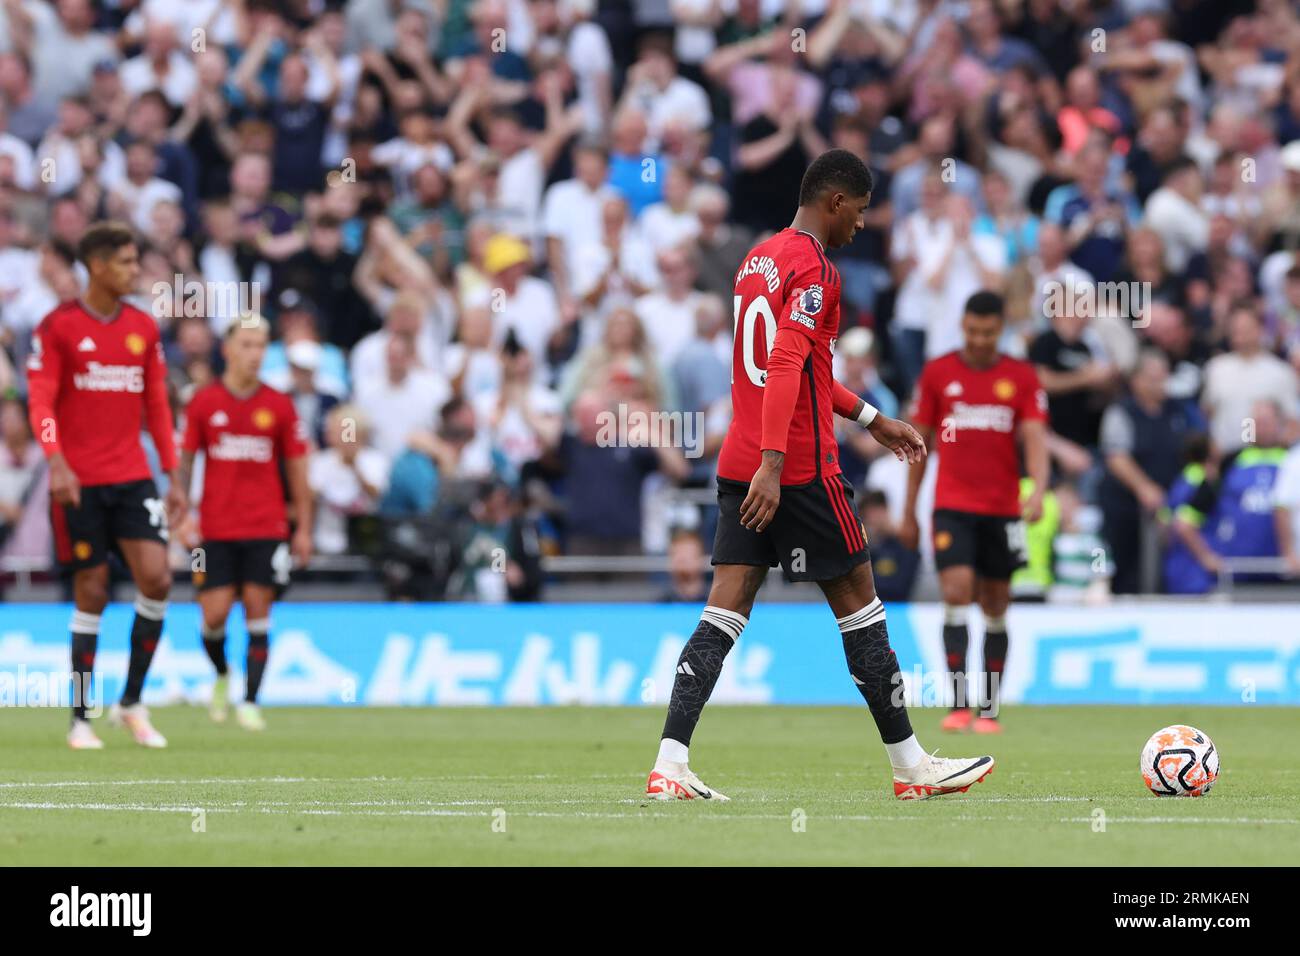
243, 441
92, 383
791, 259
975, 414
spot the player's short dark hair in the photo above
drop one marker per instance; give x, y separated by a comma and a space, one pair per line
836, 169
984, 303
104, 239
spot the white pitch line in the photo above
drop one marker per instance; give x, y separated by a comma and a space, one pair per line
205, 781
1234, 820
445, 811
240, 781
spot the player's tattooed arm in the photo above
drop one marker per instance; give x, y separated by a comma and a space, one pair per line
760, 504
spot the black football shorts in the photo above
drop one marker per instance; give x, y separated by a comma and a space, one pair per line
991, 544
264, 561
815, 534
85, 534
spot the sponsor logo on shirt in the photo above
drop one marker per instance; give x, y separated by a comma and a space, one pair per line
230, 447
983, 418
109, 378
953, 390
219, 419
86, 345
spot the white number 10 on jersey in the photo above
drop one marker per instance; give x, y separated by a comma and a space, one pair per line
745, 329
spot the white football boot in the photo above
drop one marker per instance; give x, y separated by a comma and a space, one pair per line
135, 718
935, 776
82, 736
676, 781
249, 716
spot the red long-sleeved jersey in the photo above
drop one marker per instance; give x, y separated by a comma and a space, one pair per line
782, 392
92, 382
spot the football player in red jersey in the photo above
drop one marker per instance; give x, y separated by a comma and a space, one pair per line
246, 431
981, 405
95, 372
781, 497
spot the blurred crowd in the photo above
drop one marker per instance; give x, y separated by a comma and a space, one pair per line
480, 227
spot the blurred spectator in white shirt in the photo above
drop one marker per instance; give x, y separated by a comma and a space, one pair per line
347, 476
668, 314
401, 400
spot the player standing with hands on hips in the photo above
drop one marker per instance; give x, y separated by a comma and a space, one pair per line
781, 496
980, 404
247, 432
95, 372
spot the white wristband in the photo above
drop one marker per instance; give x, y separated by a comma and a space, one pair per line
868, 414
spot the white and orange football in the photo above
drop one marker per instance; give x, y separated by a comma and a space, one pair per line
1179, 761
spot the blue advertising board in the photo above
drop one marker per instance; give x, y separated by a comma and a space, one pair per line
496, 655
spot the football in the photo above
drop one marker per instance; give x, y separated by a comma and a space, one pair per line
1179, 761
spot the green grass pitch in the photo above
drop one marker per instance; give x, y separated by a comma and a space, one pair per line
563, 786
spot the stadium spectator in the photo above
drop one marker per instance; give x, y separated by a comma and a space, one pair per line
1074, 370
1237, 379
297, 322
521, 303
703, 366
1174, 212
22, 470
611, 268
347, 476
323, 271
1241, 501
572, 213
935, 145
401, 400
668, 314
774, 146
604, 516
1094, 215
451, 452
671, 222
522, 420
720, 246
857, 370
1191, 564
893, 564
1142, 437
688, 582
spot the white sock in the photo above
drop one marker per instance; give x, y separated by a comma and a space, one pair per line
672, 751
905, 754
